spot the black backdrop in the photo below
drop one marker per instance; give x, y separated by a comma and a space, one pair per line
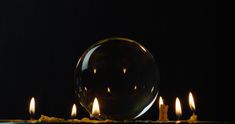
41, 41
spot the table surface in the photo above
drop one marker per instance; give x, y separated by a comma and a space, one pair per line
116, 122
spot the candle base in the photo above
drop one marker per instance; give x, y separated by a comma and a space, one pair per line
163, 116
193, 118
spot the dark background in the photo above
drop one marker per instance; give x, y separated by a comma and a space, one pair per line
41, 41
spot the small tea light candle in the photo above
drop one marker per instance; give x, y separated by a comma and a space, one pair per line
192, 107
74, 115
95, 109
163, 109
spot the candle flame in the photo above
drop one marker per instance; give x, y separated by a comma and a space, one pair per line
178, 109
94, 70
135, 87
74, 111
32, 106
160, 102
124, 70
108, 90
191, 102
95, 107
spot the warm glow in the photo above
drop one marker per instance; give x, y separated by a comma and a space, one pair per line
191, 102
160, 102
178, 109
135, 88
94, 70
124, 70
74, 111
95, 108
108, 90
32, 106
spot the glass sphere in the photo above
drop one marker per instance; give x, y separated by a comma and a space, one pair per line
121, 74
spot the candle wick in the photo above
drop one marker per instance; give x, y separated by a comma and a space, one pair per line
31, 116
194, 112
96, 117
178, 117
92, 117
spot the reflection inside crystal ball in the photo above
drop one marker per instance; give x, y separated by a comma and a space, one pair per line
121, 74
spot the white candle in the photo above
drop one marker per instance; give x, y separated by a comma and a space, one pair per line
192, 107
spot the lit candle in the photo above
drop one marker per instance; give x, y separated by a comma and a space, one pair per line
178, 109
95, 109
163, 109
74, 111
124, 70
94, 70
192, 107
32, 108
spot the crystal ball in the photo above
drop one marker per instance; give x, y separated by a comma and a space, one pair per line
123, 76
